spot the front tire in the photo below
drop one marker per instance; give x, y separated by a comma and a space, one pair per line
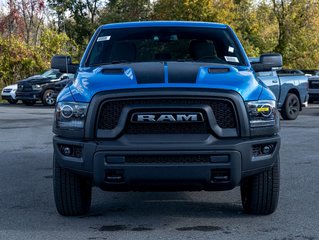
72, 192
291, 107
47, 98
260, 192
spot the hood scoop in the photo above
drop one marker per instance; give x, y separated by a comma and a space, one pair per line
218, 70
112, 71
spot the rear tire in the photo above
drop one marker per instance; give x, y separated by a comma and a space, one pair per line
72, 192
291, 107
260, 192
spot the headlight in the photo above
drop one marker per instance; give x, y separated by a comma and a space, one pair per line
70, 115
263, 114
36, 87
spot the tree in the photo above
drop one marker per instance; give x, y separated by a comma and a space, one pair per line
33, 16
191, 10
298, 34
82, 19
12, 22
126, 11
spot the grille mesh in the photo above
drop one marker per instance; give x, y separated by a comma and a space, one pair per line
313, 85
168, 159
110, 112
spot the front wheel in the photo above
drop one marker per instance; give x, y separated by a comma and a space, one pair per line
47, 98
260, 192
291, 107
72, 192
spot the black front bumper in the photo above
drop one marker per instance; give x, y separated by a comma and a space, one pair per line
29, 96
106, 162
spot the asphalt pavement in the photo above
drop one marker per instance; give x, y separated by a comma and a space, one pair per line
27, 208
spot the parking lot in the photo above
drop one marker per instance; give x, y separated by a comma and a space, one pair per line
28, 211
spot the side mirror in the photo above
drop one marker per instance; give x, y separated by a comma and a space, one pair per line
64, 64
268, 62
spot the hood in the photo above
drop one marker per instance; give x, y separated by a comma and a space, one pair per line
14, 86
36, 79
93, 80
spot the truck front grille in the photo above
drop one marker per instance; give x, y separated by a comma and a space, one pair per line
111, 110
314, 84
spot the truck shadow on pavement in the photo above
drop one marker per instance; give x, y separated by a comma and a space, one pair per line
163, 204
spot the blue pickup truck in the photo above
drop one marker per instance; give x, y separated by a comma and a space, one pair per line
166, 106
289, 86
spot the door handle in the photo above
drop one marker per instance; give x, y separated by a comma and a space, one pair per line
275, 81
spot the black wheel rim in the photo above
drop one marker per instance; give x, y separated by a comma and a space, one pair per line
49, 98
293, 106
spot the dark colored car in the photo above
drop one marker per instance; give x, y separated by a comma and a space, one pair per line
44, 88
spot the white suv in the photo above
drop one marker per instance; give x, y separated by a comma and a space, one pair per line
9, 93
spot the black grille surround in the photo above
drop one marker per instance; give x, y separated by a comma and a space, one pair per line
110, 113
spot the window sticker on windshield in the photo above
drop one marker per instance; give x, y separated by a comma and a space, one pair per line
105, 38
231, 59
231, 49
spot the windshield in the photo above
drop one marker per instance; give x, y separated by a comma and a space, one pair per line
52, 73
165, 44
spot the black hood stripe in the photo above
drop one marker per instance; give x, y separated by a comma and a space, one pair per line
148, 73
182, 73
168, 72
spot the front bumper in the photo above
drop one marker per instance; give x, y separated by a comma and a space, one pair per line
106, 162
7, 97
32, 95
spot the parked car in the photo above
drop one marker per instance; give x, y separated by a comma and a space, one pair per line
44, 88
289, 86
9, 93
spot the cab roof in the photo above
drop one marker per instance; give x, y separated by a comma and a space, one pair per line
164, 24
